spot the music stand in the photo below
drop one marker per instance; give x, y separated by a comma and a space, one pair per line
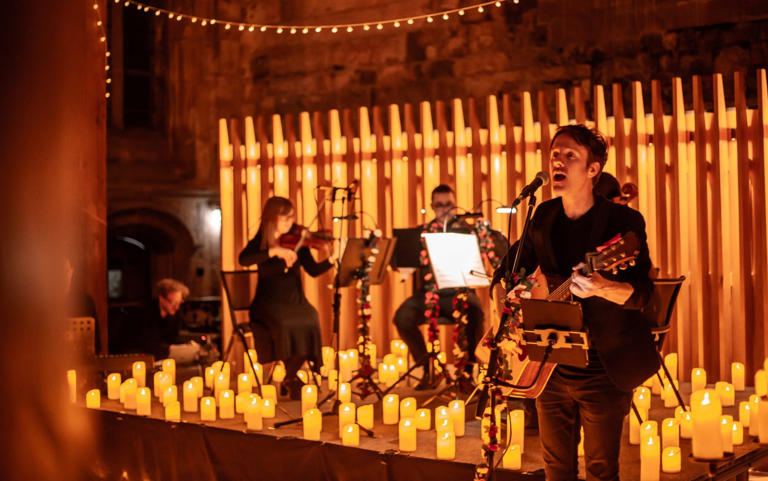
557, 327
354, 254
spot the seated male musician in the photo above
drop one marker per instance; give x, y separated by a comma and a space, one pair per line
410, 314
621, 354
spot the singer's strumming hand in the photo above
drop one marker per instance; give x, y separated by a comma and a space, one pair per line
597, 285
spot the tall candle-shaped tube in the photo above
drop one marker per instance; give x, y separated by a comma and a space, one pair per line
308, 397
189, 395
456, 408
407, 435
744, 413
707, 438
345, 392
113, 385
346, 415
762, 417
517, 429
668, 394
244, 383
227, 404
513, 458
128, 393
738, 433
171, 394
761, 383
139, 373
267, 408
642, 398
648, 428
754, 415
686, 425
670, 360
634, 425
210, 373
738, 376
199, 385
173, 411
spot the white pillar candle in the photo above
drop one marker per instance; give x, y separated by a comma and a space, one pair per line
390, 409
308, 397
456, 408
227, 404
650, 459
173, 411
139, 373
72, 384
698, 379
240, 402
423, 419
446, 446
670, 360
312, 422
269, 391
210, 373
113, 385
707, 441
754, 415
726, 429
278, 373
738, 433
160, 382
328, 355
648, 428
407, 435
726, 393
128, 393
402, 365
737, 376
442, 412
634, 425
365, 416
679, 413
408, 407
686, 425
189, 395
199, 385
169, 367
259, 371
517, 429
671, 460
345, 373
347, 413
143, 401
93, 399
350, 435
244, 383
761, 383
171, 394
345, 392
207, 408
642, 398
668, 394
354, 359
670, 432
513, 458
444, 425
220, 384
744, 413
303, 376
250, 357
253, 414
267, 408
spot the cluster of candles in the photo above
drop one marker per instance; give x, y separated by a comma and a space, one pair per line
712, 433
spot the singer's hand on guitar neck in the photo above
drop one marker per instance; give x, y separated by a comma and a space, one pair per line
597, 285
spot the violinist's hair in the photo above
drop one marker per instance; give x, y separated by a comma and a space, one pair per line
275, 206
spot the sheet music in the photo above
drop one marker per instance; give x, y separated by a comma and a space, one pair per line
453, 256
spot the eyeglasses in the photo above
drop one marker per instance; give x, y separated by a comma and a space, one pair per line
440, 205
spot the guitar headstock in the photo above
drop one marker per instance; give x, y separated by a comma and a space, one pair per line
619, 253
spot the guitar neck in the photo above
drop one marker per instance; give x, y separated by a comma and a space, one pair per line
562, 291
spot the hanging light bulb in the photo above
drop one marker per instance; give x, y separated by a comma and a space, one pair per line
213, 21
305, 30
334, 30
280, 30
379, 26
366, 27
204, 23
349, 29
263, 28
461, 12
410, 21
318, 29
429, 19
227, 26
498, 4
293, 30
241, 27
480, 9
396, 24
194, 20
445, 16
157, 13
251, 28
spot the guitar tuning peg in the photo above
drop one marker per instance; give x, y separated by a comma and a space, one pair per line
632, 263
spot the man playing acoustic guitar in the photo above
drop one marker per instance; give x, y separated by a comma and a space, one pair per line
622, 353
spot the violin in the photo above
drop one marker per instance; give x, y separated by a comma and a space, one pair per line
628, 192
299, 236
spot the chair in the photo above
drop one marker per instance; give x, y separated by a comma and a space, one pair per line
239, 289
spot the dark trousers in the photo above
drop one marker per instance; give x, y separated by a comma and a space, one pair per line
410, 315
591, 401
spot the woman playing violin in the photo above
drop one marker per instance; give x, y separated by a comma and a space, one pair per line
279, 303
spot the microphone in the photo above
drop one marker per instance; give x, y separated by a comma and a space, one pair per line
352, 189
542, 178
469, 215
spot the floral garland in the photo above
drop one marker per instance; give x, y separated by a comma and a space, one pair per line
431, 297
363, 275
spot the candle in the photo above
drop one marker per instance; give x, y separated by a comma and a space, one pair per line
670, 432
128, 393
517, 428
762, 421
253, 414
707, 438
345, 370
671, 461
345, 392
250, 357
328, 355
686, 425
160, 382
269, 391
351, 435
143, 401
390, 407
333, 379
738, 433
72, 383
442, 412
210, 372
401, 365
278, 373
698, 379
408, 407
446, 446
308, 397
642, 398
754, 415
670, 360
113, 385
312, 422
737, 376
456, 408
513, 458
634, 425
648, 428
171, 394
267, 408
726, 429
668, 394
244, 383
169, 367
241, 400
189, 395
139, 373
744, 413
220, 384
227, 404
346, 415
423, 419
207, 408
650, 459
656, 383
365, 416
679, 413
302, 375
173, 411
259, 370
444, 426
93, 399
726, 393
407, 435
354, 359
761, 383
198, 382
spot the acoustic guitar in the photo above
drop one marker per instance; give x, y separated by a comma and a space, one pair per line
529, 377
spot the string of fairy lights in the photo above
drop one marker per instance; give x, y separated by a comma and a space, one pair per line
306, 29
103, 39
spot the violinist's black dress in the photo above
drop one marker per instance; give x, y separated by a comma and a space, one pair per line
280, 305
